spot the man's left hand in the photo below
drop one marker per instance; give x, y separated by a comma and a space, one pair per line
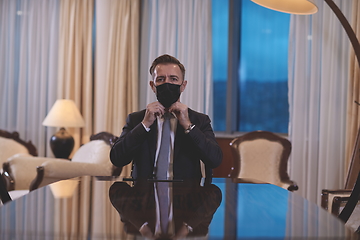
182, 114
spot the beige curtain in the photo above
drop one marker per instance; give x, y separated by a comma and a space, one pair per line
353, 109
105, 99
116, 79
182, 29
115, 87
318, 87
29, 32
122, 71
75, 61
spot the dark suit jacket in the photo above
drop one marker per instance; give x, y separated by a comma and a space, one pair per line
137, 145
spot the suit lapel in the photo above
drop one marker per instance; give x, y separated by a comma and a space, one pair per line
179, 138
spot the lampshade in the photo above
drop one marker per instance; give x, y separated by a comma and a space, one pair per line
64, 113
303, 7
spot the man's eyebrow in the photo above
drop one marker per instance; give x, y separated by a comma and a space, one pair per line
162, 76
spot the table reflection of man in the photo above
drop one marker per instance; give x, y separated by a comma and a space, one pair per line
191, 208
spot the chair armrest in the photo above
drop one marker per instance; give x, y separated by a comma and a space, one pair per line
290, 185
328, 196
20, 170
53, 171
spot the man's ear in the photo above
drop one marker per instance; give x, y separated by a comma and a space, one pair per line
152, 85
183, 86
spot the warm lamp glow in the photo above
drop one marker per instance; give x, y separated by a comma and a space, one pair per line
303, 7
64, 188
64, 113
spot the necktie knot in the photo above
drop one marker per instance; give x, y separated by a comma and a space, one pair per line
167, 115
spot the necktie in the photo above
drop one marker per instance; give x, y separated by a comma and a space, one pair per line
164, 202
163, 157
161, 173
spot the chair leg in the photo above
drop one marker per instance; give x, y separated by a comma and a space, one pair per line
350, 205
4, 194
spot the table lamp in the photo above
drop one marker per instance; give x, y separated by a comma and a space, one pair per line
63, 113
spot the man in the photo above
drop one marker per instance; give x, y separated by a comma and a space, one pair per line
191, 136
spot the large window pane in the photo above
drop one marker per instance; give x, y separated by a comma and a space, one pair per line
263, 69
262, 96
220, 17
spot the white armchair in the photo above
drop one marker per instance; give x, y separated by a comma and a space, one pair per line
11, 145
23, 172
92, 159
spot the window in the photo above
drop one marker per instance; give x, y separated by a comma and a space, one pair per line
260, 91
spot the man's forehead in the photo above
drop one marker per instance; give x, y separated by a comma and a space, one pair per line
167, 69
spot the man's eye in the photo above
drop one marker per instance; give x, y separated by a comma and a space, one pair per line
160, 79
174, 79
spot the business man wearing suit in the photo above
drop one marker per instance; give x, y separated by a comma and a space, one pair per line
192, 139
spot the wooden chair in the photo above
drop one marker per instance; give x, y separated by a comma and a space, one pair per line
343, 202
262, 156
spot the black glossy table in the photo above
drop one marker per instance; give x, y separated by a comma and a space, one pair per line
222, 209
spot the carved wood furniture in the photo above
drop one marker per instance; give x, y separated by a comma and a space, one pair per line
226, 168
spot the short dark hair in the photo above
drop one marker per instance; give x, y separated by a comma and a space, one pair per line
165, 59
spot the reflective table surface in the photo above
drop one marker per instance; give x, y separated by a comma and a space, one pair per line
94, 208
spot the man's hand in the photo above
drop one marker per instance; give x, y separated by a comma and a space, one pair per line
182, 114
152, 111
182, 233
145, 231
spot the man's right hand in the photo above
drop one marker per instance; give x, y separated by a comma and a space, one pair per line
145, 231
152, 111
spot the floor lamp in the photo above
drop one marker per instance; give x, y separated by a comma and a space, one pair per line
305, 7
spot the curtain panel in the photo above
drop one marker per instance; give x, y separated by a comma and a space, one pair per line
75, 78
353, 109
116, 63
318, 86
29, 32
183, 30
105, 97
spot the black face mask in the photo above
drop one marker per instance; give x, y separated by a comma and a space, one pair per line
167, 94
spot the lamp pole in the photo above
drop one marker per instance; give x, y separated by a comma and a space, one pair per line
283, 6
349, 207
348, 29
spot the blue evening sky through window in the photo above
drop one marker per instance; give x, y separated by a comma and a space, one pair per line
262, 94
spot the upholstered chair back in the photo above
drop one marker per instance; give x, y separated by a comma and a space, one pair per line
263, 156
11, 144
9, 147
252, 155
95, 151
